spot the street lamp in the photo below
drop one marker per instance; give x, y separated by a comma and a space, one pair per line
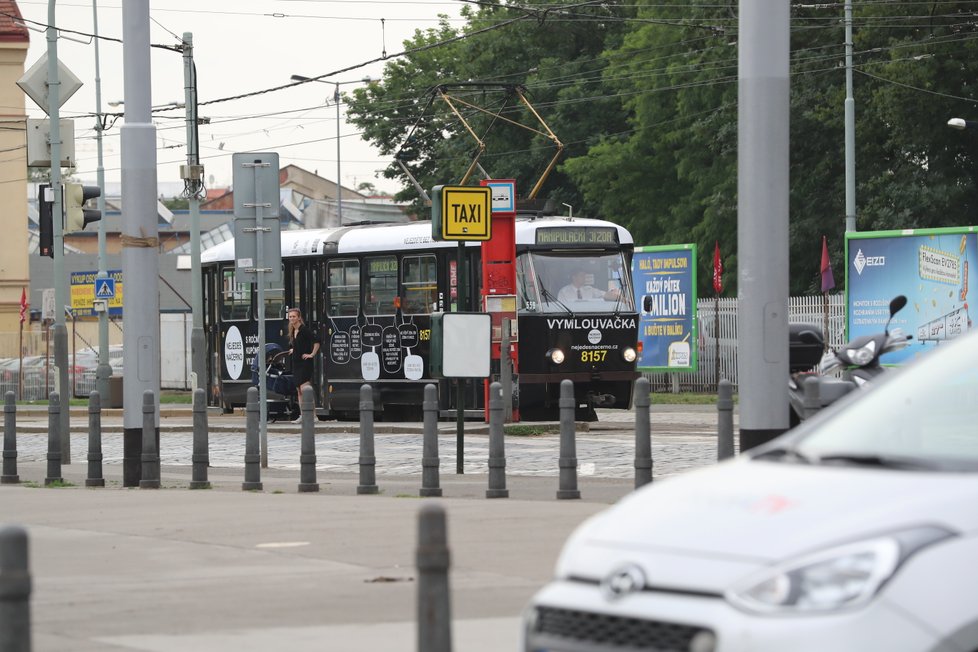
961, 123
336, 100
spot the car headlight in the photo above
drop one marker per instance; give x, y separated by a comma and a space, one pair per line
840, 578
556, 356
629, 354
864, 354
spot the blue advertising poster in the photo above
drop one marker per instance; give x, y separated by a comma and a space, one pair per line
665, 293
934, 268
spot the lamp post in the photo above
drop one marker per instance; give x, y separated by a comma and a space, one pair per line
336, 101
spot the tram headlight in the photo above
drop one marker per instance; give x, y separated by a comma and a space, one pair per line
629, 354
556, 356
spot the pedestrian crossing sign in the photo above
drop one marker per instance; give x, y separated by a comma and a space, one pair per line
105, 288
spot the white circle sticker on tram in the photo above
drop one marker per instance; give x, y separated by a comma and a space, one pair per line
594, 336
234, 353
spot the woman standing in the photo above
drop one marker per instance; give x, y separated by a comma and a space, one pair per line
305, 346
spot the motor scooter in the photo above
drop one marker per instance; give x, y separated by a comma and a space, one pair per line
860, 356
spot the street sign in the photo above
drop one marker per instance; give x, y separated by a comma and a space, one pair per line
461, 213
35, 83
105, 288
503, 195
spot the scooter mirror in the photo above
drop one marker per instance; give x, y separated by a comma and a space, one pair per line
897, 304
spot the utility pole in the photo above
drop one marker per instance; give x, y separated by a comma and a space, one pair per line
762, 219
103, 371
59, 331
193, 179
850, 128
140, 240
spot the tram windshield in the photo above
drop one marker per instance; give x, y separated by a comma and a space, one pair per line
554, 282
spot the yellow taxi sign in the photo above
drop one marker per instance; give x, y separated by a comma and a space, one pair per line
462, 213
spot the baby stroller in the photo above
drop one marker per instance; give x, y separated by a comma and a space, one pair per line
282, 402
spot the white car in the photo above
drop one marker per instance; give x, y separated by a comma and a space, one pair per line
856, 531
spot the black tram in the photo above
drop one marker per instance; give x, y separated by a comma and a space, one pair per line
369, 292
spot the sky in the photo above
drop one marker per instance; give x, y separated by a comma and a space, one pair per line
240, 46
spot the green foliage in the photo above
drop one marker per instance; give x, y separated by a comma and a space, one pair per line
644, 99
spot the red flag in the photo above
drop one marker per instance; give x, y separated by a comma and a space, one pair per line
827, 281
717, 270
23, 305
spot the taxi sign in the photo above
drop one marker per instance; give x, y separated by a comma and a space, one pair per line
461, 213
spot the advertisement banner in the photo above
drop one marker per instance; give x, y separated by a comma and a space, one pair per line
82, 289
665, 293
933, 268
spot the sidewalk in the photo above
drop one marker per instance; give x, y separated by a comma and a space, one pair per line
226, 570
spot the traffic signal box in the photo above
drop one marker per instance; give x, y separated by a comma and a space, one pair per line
77, 217
45, 224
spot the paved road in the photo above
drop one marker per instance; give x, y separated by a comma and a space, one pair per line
226, 570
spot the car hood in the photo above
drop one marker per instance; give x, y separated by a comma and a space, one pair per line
741, 514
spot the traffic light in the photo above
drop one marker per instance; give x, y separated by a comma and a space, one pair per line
44, 223
76, 216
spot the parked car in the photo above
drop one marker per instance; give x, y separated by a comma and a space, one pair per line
856, 531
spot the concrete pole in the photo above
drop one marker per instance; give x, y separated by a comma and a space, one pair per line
850, 127
193, 178
59, 333
762, 208
140, 265
103, 371
339, 179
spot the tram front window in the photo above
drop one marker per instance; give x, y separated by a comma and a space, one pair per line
559, 283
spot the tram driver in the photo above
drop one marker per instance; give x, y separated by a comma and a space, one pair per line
579, 290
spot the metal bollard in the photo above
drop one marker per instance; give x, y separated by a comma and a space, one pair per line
434, 598
568, 445
150, 478
368, 462
307, 445
643, 434
54, 440
497, 452
725, 424
15, 590
252, 456
9, 440
94, 478
430, 462
201, 456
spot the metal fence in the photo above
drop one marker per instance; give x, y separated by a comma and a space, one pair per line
801, 310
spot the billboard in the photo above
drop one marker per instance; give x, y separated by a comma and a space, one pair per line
934, 268
82, 290
665, 293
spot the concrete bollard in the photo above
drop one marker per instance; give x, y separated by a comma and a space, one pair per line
725, 423
568, 445
643, 434
54, 440
307, 445
430, 462
434, 598
150, 457
94, 478
368, 461
497, 446
15, 590
9, 475
811, 400
252, 458
201, 455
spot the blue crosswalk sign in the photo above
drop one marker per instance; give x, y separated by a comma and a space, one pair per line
105, 288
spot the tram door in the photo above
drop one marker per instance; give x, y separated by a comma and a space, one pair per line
304, 290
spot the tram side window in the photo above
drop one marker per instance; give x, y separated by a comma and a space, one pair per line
235, 297
380, 285
420, 281
274, 303
526, 285
344, 287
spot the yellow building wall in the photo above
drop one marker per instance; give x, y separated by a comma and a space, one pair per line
14, 269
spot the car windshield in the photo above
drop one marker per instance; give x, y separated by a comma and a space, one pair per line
927, 412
